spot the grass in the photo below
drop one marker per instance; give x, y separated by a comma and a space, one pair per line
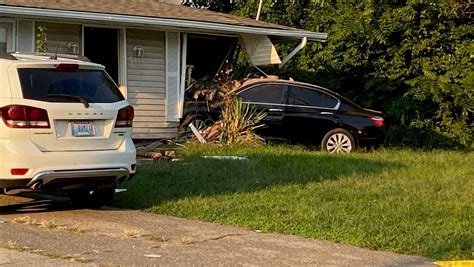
49, 224
412, 202
132, 233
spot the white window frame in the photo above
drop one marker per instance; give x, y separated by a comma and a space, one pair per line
11, 33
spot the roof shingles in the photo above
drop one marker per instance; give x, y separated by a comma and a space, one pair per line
144, 8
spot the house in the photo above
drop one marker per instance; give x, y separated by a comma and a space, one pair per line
144, 45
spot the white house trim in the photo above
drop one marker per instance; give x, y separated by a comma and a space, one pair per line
182, 86
122, 57
173, 69
126, 19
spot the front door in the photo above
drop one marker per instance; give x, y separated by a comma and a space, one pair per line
101, 46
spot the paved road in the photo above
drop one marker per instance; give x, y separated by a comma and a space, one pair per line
57, 234
16, 258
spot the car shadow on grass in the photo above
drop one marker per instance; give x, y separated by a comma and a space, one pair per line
197, 176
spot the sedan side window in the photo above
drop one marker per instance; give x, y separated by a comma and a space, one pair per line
300, 96
329, 101
265, 93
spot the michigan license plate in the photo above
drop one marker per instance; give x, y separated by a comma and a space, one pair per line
83, 128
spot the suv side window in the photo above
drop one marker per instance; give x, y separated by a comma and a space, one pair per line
265, 93
301, 96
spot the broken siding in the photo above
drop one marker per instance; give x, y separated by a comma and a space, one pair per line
60, 35
146, 85
260, 50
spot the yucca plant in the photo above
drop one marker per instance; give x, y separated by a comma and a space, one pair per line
239, 122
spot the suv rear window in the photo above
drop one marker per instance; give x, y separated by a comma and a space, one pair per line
94, 86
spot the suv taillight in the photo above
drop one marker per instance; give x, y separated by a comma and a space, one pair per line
378, 121
125, 117
18, 116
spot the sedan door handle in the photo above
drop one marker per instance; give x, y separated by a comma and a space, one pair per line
275, 110
326, 113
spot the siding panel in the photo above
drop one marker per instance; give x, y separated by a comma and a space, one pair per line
146, 85
60, 35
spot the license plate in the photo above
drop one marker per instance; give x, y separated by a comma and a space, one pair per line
83, 128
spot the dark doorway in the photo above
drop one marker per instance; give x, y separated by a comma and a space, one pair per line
101, 46
206, 53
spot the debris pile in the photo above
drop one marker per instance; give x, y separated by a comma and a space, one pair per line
214, 90
236, 125
161, 150
211, 91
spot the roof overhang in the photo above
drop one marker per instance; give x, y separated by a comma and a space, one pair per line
156, 21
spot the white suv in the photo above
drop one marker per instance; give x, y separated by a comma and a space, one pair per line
64, 125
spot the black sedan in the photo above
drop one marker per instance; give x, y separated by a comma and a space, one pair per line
303, 113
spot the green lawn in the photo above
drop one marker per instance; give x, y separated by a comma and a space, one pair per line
396, 200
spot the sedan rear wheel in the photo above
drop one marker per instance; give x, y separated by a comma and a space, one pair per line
338, 141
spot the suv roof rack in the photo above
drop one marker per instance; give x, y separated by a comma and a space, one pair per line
49, 55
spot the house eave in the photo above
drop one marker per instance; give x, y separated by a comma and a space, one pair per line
154, 21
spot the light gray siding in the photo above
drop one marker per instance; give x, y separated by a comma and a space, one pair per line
60, 35
146, 85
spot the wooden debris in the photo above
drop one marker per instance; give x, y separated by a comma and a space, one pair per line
197, 134
161, 150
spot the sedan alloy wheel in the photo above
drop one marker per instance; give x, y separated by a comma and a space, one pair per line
338, 141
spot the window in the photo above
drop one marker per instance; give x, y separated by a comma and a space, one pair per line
52, 85
329, 101
307, 97
3, 39
265, 93
6, 44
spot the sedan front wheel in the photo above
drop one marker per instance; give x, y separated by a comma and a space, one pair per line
338, 141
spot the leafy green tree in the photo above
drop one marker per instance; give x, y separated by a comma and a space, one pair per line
411, 59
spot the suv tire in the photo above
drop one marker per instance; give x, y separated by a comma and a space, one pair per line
95, 198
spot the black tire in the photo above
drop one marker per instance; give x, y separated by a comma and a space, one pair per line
201, 122
91, 198
339, 141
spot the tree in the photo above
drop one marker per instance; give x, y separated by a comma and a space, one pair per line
412, 60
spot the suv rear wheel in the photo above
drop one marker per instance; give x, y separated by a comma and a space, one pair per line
338, 141
92, 198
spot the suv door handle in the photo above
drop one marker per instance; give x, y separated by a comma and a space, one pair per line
326, 113
275, 110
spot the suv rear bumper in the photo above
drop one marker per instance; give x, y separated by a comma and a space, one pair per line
70, 179
64, 168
